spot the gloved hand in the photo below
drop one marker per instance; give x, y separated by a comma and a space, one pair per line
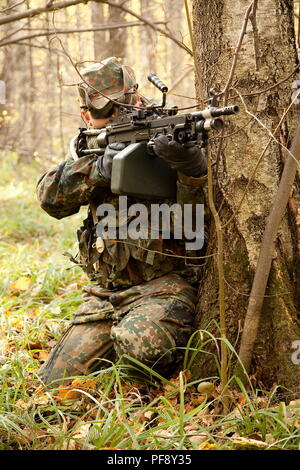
184, 157
104, 163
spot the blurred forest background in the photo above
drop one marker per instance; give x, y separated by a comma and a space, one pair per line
41, 112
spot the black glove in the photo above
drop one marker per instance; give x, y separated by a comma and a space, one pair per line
184, 157
104, 163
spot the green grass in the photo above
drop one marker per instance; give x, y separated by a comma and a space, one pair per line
115, 411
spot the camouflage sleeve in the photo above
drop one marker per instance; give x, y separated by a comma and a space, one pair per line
64, 188
190, 190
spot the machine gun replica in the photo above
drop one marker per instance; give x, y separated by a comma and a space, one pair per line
136, 170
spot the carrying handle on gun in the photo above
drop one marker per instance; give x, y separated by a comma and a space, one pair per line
157, 82
160, 85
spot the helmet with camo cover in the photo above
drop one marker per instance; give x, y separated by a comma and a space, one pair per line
105, 81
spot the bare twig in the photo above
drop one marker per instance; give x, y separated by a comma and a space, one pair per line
147, 22
220, 265
64, 4
252, 18
37, 11
164, 253
54, 50
60, 107
13, 32
266, 252
236, 53
279, 294
272, 137
6, 42
179, 79
226, 90
11, 7
260, 92
198, 73
75, 66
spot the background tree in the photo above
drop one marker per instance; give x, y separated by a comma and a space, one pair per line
97, 18
260, 82
39, 75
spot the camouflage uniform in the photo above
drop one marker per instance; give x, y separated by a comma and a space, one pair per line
142, 301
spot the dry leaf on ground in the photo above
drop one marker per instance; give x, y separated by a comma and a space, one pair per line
69, 392
20, 285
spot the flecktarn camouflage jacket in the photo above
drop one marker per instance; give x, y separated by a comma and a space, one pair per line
116, 263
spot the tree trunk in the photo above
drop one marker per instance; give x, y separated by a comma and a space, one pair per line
117, 37
98, 19
176, 58
148, 41
267, 55
8, 74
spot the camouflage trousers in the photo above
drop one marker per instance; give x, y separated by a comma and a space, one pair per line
149, 322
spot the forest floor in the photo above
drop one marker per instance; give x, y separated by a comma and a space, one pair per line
40, 289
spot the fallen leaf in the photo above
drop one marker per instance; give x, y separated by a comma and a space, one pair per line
43, 356
23, 404
17, 323
85, 383
34, 312
34, 345
39, 390
67, 392
40, 400
242, 399
198, 440
82, 430
149, 415
22, 284
206, 445
196, 401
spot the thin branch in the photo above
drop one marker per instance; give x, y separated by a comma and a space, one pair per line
255, 34
260, 92
75, 66
165, 253
13, 32
279, 294
198, 73
37, 11
272, 137
149, 23
236, 53
55, 50
266, 253
12, 6
220, 266
226, 90
60, 5
179, 79
5, 42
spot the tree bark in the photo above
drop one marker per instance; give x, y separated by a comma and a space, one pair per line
13, 91
116, 45
98, 18
266, 56
148, 42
